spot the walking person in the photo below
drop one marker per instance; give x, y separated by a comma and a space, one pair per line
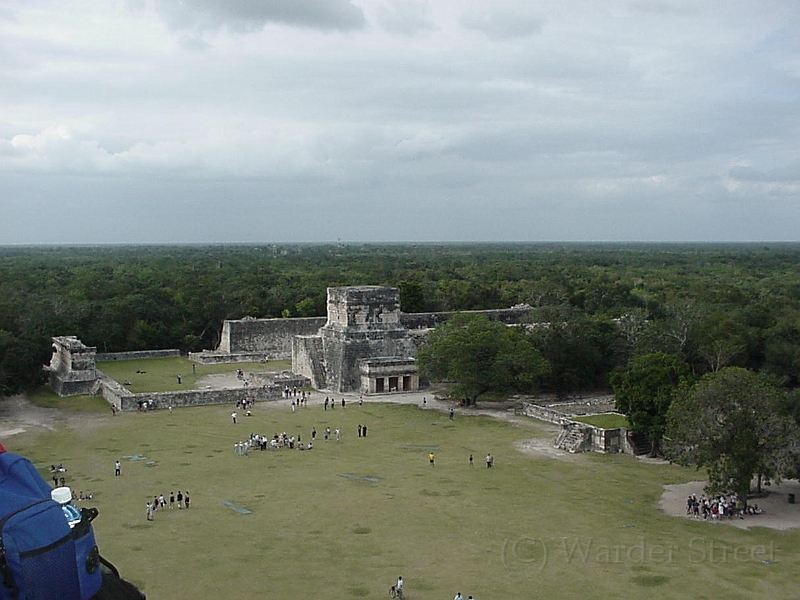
117, 469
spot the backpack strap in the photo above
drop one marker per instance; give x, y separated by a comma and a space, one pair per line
8, 577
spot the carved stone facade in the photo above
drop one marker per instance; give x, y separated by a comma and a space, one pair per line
363, 346
72, 367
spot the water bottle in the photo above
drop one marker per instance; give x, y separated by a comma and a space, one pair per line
63, 495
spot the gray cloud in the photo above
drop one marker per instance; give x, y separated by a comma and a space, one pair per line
500, 22
252, 15
406, 17
556, 121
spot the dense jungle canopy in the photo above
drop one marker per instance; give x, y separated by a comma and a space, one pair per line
597, 306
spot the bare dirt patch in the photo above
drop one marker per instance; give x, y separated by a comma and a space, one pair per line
18, 415
543, 448
778, 513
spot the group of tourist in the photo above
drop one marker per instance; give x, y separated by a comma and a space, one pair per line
719, 507
159, 502
245, 403
277, 441
332, 403
145, 405
294, 392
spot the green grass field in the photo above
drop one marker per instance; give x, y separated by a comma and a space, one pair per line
608, 421
161, 374
344, 520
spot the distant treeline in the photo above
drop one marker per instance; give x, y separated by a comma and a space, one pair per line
602, 304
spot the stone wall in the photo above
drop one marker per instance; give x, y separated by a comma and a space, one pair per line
307, 359
576, 436
509, 316
262, 390
542, 413
137, 355
254, 339
210, 357
270, 338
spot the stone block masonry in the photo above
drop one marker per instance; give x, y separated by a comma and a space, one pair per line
137, 355
268, 338
124, 400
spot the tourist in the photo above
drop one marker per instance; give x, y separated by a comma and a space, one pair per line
186, 499
233, 417
489, 461
458, 596
470, 461
171, 499
432, 458
179, 498
117, 468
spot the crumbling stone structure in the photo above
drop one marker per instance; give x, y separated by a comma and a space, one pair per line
72, 367
363, 346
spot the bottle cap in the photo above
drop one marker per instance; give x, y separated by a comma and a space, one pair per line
62, 495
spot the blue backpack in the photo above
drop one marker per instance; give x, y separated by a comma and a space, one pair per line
41, 556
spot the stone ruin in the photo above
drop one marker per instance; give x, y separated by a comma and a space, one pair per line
362, 347
72, 368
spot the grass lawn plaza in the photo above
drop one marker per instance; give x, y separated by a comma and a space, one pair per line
343, 520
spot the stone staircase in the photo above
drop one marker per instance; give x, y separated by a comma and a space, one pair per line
574, 437
639, 443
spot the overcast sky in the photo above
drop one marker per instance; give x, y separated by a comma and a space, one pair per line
212, 121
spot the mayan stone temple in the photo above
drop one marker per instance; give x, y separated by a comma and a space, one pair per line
363, 346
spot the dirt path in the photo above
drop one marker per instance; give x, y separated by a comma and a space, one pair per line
18, 415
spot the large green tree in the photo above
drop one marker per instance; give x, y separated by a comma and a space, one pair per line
733, 423
478, 355
644, 393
